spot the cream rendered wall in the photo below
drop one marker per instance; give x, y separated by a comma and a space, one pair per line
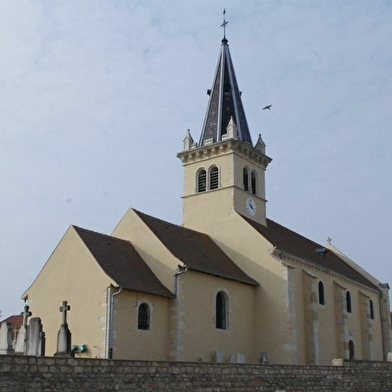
199, 336
240, 162
71, 274
325, 317
150, 248
326, 320
274, 305
241, 196
230, 196
214, 212
131, 343
280, 297
377, 338
223, 160
223, 197
381, 326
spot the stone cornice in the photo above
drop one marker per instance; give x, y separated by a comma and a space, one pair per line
224, 147
283, 255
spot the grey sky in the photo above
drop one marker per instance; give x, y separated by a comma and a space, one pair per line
96, 97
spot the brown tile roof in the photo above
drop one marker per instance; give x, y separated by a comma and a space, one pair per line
15, 320
119, 259
198, 251
296, 245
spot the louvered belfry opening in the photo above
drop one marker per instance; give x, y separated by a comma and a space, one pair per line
214, 178
202, 181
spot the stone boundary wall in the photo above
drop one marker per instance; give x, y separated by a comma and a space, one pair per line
33, 374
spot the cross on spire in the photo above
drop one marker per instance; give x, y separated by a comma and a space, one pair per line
224, 24
64, 310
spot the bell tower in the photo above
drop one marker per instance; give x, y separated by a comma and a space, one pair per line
224, 173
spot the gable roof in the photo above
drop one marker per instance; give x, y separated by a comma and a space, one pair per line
197, 250
296, 245
15, 321
121, 262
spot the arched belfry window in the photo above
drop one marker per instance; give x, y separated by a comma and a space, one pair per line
143, 319
348, 302
201, 180
245, 178
214, 177
351, 350
221, 308
371, 309
321, 293
253, 182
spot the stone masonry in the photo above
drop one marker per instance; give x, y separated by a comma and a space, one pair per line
33, 374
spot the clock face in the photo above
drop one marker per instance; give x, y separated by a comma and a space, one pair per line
251, 206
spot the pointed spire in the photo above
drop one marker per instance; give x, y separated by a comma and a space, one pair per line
260, 145
225, 101
188, 140
231, 129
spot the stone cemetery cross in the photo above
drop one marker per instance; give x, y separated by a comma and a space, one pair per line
64, 334
21, 340
25, 315
64, 309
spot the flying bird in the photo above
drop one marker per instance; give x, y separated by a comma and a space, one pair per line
267, 107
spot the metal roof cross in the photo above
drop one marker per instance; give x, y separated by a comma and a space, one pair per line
224, 24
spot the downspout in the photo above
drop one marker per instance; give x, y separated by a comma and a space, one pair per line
181, 271
109, 353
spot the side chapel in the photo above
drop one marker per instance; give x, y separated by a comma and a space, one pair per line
228, 284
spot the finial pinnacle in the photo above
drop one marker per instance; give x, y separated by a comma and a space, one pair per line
224, 25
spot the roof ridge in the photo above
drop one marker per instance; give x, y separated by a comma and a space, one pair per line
304, 248
170, 223
101, 234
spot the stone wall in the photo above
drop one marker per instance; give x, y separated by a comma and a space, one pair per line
33, 374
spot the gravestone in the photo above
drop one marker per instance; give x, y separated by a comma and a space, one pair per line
64, 334
15, 336
6, 339
35, 341
264, 358
218, 357
21, 342
237, 358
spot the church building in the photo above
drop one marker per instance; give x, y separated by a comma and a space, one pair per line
228, 284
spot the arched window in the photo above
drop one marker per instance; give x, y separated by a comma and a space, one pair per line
245, 178
214, 178
321, 296
371, 309
253, 180
143, 320
351, 350
348, 302
221, 310
201, 180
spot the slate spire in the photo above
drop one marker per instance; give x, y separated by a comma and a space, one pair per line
224, 102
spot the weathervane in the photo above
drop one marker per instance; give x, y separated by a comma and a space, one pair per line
224, 24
